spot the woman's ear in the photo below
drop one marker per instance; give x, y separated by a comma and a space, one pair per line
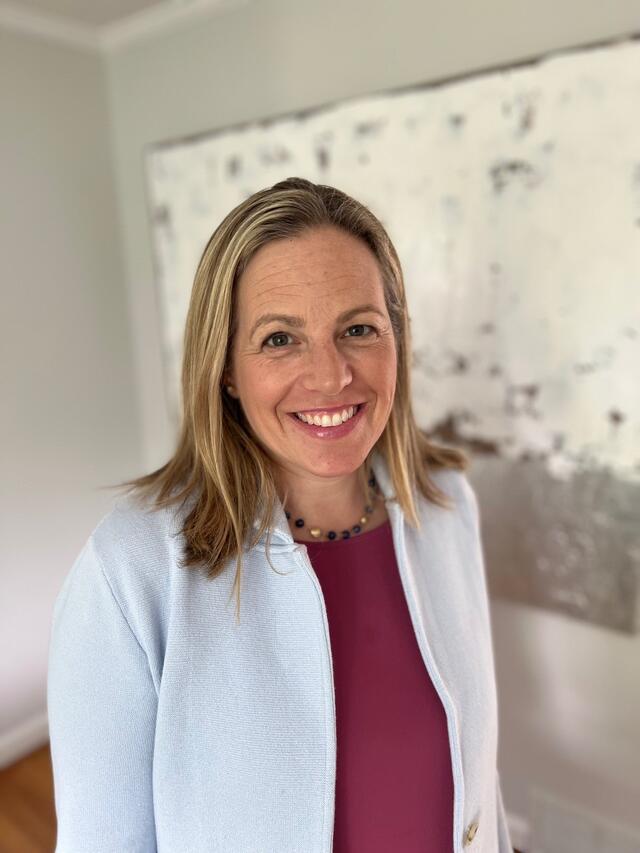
227, 385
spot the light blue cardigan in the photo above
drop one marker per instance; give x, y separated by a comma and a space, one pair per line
174, 728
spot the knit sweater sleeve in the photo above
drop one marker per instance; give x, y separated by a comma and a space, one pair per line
102, 706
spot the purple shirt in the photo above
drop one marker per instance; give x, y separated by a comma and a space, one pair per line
394, 783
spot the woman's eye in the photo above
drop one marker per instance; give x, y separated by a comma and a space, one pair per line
285, 335
361, 326
276, 335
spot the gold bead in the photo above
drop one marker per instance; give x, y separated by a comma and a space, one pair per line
315, 532
364, 519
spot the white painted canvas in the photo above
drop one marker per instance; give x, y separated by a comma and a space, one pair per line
513, 199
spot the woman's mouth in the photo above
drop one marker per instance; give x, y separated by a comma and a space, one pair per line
330, 425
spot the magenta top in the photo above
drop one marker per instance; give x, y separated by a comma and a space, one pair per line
394, 783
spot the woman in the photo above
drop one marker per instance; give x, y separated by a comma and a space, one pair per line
347, 702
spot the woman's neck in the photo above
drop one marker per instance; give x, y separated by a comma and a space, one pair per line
331, 504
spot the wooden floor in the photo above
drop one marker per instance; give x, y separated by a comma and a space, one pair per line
27, 812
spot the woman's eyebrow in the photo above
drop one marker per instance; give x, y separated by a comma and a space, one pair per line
298, 322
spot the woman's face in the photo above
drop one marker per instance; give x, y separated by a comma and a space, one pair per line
331, 346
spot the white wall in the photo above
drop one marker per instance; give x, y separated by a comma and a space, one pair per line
69, 421
561, 683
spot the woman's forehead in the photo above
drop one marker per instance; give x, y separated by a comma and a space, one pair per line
310, 252
307, 267
331, 296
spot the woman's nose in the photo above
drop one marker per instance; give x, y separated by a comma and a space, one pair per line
326, 370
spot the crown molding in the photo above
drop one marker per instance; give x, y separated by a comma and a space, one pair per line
48, 27
141, 25
159, 19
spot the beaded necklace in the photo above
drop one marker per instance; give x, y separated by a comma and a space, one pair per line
317, 533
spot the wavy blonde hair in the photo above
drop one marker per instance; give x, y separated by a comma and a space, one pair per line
218, 465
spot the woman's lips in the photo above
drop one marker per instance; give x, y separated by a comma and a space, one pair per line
330, 431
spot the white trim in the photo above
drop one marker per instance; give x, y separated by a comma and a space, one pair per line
48, 27
159, 19
144, 24
24, 738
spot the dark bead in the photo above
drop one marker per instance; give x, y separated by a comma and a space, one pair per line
331, 534
299, 522
372, 481
288, 514
356, 528
368, 509
346, 534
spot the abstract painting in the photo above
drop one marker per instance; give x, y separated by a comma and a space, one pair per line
513, 199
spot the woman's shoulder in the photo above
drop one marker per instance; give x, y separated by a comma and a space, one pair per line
449, 540
453, 483
457, 488
133, 523
137, 548
132, 527
123, 574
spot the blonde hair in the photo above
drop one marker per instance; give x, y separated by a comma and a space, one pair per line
217, 464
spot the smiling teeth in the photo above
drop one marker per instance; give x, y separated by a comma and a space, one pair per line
328, 420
